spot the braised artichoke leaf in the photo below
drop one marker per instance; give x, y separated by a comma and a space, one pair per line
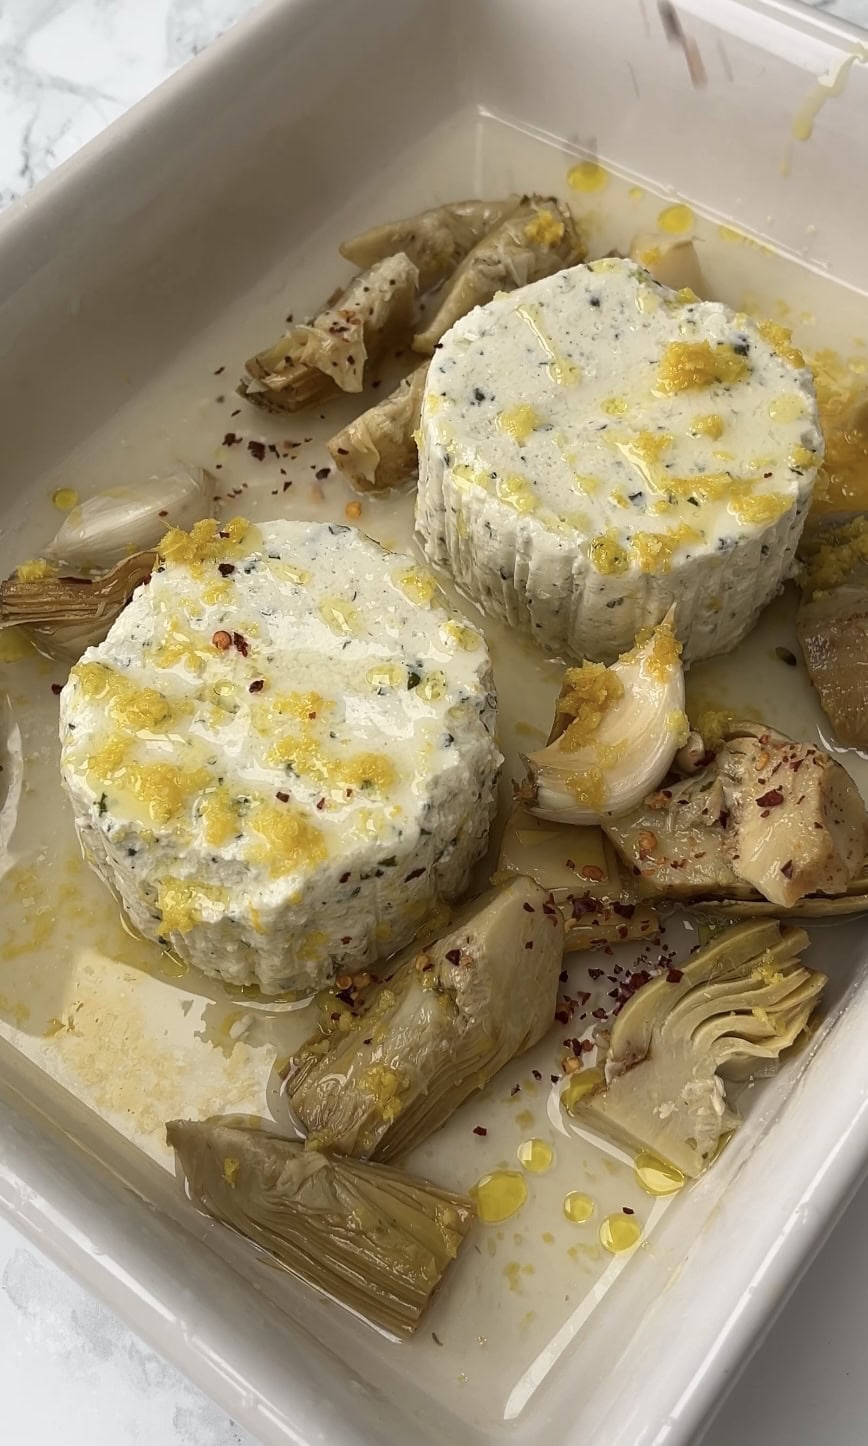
447, 1020
435, 240
731, 1011
377, 451
535, 240
374, 1239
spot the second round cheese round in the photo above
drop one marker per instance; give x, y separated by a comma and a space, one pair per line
282, 756
595, 447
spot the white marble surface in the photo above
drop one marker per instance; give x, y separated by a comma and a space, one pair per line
70, 1371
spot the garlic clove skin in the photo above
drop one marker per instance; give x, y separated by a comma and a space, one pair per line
132, 517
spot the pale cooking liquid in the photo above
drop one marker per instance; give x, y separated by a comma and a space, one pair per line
140, 1039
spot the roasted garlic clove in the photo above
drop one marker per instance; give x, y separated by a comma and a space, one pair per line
615, 735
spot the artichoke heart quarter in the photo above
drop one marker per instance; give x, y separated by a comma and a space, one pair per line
315, 361
447, 1020
732, 1009
374, 1239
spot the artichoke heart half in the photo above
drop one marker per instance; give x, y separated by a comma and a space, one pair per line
449, 1018
374, 1239
730, 1011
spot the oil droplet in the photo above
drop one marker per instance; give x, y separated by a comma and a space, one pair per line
588, 176
635, 193
537, 1156
65, 498
619, 1233
499, 1195
578, 1207
581, 1085
676, 219
657, 1177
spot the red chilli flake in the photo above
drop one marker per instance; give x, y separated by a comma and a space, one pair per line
787, 869
226, 569
773, 799
257, 685
284, 797
528, 908
241, 643
56, 688
674, 976
232, 439
453, 956
320, 803
479, 1130
257, 450
627, 1210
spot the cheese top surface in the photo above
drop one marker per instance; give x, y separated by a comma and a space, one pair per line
281, 701
605, 408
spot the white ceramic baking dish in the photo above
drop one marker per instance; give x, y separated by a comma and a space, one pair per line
310, 111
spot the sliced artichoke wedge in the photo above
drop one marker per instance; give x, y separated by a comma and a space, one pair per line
374, 1239
536, 239
581, 870
732, 1009
65, 615
377, 451
615, 734
313, 362
435, 240
451, 1015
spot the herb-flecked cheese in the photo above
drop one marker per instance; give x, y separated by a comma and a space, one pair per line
282, 756
595, 447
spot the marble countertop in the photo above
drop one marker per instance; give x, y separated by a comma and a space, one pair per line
69, 1369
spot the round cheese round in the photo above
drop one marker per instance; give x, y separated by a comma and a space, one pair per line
596, 447
282, 756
